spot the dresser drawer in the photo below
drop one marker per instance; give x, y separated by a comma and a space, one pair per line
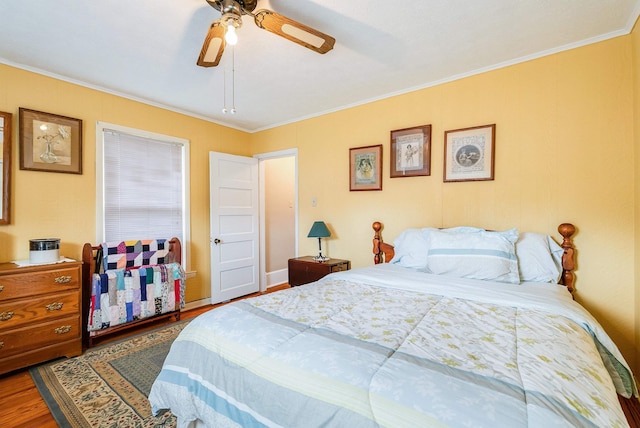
47, 333
37, 283
18, 313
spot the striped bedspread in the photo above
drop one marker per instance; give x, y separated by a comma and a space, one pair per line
119, 296
381, 347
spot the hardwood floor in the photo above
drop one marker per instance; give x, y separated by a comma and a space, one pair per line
22, 405
631, 408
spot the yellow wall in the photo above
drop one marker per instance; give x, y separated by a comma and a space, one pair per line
58, 205
564, 153
279, 211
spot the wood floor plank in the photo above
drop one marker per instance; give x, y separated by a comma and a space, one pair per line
10, 385
631, 408
23, 408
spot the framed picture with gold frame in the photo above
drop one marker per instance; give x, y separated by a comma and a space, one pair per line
469, 153
411, 152
50, 142
365, 168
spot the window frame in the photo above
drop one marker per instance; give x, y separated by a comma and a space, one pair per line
100, 198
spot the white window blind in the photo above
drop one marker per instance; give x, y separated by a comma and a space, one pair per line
143, 187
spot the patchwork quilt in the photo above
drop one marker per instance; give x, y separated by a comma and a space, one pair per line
135, 253
136, 283
124, 295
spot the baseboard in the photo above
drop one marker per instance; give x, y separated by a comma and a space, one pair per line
197, 304
277, 277
274, 279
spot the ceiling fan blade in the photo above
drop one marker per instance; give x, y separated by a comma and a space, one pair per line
294, 31
213, 46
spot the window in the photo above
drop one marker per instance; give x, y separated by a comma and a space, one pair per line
141, 185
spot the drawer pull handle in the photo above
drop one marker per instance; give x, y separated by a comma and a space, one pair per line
56, 306
6, 316
1, 287
1, 345
62, 330
64, 279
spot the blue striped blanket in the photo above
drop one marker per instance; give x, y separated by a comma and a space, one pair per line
381, 347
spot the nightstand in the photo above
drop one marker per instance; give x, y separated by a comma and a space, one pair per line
303, 270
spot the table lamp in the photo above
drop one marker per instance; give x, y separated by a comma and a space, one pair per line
319, 230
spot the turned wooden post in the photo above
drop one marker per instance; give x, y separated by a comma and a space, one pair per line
568, 262
377, 226
175, 251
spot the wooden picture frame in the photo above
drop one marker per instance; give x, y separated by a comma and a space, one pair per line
411, 152
469, 154
6, 148
50, 142
365, 168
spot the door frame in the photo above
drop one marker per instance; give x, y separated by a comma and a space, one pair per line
261, 201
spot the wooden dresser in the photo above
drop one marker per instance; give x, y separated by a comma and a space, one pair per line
40, 313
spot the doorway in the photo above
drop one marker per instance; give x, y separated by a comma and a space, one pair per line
278, 215
237, 266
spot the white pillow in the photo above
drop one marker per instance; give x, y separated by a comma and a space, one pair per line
539, 258
461, 229
475, 254
410, 249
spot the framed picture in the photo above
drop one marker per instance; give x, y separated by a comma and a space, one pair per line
469, 153
365, 168
49, 142
411, 152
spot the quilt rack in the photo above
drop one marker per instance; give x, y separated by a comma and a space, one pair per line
94, 261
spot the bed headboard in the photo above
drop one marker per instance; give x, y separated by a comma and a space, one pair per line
383, 252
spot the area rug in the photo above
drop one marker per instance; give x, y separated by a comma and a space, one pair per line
108, 385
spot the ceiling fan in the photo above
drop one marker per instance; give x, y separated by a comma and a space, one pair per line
222, 31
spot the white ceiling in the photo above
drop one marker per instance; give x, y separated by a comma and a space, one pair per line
147, 49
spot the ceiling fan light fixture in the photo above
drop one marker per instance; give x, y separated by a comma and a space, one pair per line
223, 31
231, 37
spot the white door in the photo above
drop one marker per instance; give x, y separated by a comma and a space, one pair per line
233, 184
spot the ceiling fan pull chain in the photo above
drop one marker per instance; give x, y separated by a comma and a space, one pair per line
233, 84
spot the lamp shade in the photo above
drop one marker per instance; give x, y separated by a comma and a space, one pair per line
319, 230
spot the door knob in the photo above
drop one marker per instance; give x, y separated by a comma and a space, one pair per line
216, 241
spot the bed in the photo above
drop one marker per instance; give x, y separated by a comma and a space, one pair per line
449, 327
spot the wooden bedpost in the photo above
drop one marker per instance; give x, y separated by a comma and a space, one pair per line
377, 226
568, 262
382, 253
